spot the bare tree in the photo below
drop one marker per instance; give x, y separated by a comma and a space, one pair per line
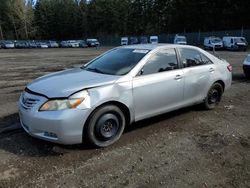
22, 16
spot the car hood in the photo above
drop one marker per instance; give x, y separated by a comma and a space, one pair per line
217, 43
65, 83
184, 43
241, 43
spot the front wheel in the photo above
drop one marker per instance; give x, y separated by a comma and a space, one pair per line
213, 97
105, 126
247, 75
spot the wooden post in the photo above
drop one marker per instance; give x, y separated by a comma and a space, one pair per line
1, 31
14, 24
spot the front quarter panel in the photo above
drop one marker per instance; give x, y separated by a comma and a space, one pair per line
121, 92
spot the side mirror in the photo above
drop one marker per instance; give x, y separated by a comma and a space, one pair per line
141, 72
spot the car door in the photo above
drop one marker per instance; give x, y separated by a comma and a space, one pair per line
158, 87
198, 73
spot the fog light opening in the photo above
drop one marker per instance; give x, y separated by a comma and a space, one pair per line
49, 134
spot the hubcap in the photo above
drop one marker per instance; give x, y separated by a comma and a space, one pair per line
107, 126
213, 96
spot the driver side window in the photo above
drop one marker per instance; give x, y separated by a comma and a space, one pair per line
161, 61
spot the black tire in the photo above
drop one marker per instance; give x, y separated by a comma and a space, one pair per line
247, 75
105, 126
213, 97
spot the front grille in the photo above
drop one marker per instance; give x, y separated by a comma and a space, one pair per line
217, 46
28, 101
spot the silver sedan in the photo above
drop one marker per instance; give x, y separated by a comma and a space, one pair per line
122, 86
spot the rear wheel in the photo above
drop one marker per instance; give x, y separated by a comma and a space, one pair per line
214, 96
105, 126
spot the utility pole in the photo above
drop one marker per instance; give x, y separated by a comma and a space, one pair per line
242, 31
14, 24
1, 31
199, 37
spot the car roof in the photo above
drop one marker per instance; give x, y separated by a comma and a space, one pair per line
154, 46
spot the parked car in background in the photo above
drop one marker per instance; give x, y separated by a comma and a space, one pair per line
235, 43
32, 44
41, 45
21, 44
133, 40
73, 44
179, 39
52, 44
92, 42
124, 41
154, 40
8, 44
246, 66
213, 43
64, 44
82, 44
143, 40
122, 86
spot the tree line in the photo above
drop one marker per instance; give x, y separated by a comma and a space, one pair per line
72, 19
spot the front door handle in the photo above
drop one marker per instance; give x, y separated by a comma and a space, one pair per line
178, 77
211, 69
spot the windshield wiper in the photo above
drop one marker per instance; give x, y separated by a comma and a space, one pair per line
95, 70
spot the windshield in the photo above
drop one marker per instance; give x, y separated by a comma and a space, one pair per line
116, 62
181, 39
248, 58
8, 42
92, 40
240, 40
216, 40
154, 40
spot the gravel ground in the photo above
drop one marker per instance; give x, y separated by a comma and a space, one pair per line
184, 148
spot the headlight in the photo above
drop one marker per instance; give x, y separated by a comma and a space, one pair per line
62, 104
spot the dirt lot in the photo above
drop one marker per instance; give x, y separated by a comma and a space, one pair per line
185, 148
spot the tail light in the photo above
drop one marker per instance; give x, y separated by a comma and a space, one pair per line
229, 68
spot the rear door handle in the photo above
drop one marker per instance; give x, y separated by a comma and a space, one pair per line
178, 77
211, 70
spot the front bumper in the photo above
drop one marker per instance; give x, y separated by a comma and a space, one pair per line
239, 47
63, 127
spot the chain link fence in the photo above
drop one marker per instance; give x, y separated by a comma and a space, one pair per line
194, 38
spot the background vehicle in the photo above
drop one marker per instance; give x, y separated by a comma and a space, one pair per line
41, 45
32, 44
246, 66
52, 44
235, 43
113, 90
133, 40
213, 43
92, 42
124, 41
73, 44
178, 39
82, 44
143, 40
21, 44
153, 39
64, 44
8, 44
